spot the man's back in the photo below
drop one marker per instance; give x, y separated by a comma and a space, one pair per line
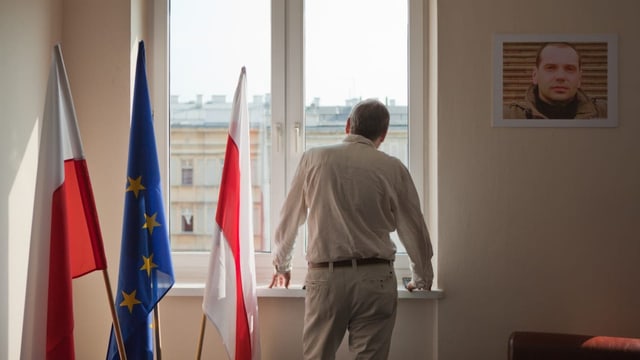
351, 190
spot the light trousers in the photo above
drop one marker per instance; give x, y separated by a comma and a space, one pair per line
359, 299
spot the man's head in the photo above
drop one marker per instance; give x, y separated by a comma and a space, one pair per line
369, 118
557, 73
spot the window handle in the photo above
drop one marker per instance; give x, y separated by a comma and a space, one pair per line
297, 129
279, 137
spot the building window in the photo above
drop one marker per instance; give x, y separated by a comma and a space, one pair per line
187, 172
303, 77
187, 221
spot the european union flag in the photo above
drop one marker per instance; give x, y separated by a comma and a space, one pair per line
146, 272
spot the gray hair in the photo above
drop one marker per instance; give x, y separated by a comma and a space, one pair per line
369, 118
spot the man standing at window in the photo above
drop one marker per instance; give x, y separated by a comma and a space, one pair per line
354, 196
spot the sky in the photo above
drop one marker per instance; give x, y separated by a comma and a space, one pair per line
353, 48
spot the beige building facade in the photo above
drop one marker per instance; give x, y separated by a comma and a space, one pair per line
198, 137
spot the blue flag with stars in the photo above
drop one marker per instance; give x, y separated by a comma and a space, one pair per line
146, 271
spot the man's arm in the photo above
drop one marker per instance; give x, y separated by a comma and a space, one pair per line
414, 235
292, 215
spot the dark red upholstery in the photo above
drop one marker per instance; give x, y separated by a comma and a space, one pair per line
524, 345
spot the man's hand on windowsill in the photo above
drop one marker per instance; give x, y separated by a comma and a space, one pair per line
280, 279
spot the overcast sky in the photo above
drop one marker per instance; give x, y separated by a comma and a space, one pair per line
354, 48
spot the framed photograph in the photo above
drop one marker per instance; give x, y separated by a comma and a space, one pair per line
555, 80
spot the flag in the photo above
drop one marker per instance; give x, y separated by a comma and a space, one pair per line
230, 300
146, 271
66, 241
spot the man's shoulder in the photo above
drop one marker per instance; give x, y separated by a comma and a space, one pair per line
591, 107
516, 110
601, 106
322, 149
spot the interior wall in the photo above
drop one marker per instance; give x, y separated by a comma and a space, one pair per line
280, 324
28, 32
98, 43
538, 226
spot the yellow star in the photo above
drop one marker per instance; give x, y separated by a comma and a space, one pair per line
130, 300
148, 264
150, 222
135, 185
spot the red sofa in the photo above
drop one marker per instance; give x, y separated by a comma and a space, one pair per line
526, 345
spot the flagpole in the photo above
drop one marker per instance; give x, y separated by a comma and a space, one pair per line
202, 327
114, 316
156, 320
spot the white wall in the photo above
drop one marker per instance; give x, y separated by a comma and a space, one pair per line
281, 330
537, 227
98, 47
28, 32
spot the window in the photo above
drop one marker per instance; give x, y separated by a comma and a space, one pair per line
187, 221
187, 172
301, 86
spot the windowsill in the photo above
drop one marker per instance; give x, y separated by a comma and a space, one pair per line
295, 291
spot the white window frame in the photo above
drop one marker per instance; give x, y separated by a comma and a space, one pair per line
287, 86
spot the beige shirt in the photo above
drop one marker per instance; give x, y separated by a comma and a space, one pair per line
354, 196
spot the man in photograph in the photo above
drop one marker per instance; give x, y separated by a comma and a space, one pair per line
555, 91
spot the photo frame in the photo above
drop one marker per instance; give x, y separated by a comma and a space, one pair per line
517, 79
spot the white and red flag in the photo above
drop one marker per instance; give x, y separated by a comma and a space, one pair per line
66, 241
230, 300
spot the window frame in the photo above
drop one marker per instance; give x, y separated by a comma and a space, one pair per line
287, 71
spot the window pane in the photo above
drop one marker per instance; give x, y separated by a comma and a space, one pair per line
187, 221
210, 41
187, 172
354, 50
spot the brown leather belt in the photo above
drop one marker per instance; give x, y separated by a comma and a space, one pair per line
343, 263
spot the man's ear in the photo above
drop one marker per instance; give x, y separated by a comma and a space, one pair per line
380, 140
534, 75
347, 127
383, 136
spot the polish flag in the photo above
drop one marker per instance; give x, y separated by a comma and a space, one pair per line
230, 300
66, 241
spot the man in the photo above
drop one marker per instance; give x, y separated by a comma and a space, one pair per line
555, 92
354, 196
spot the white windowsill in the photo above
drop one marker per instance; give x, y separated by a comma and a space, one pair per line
295, 291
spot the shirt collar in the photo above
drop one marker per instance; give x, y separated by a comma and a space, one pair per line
353, 138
